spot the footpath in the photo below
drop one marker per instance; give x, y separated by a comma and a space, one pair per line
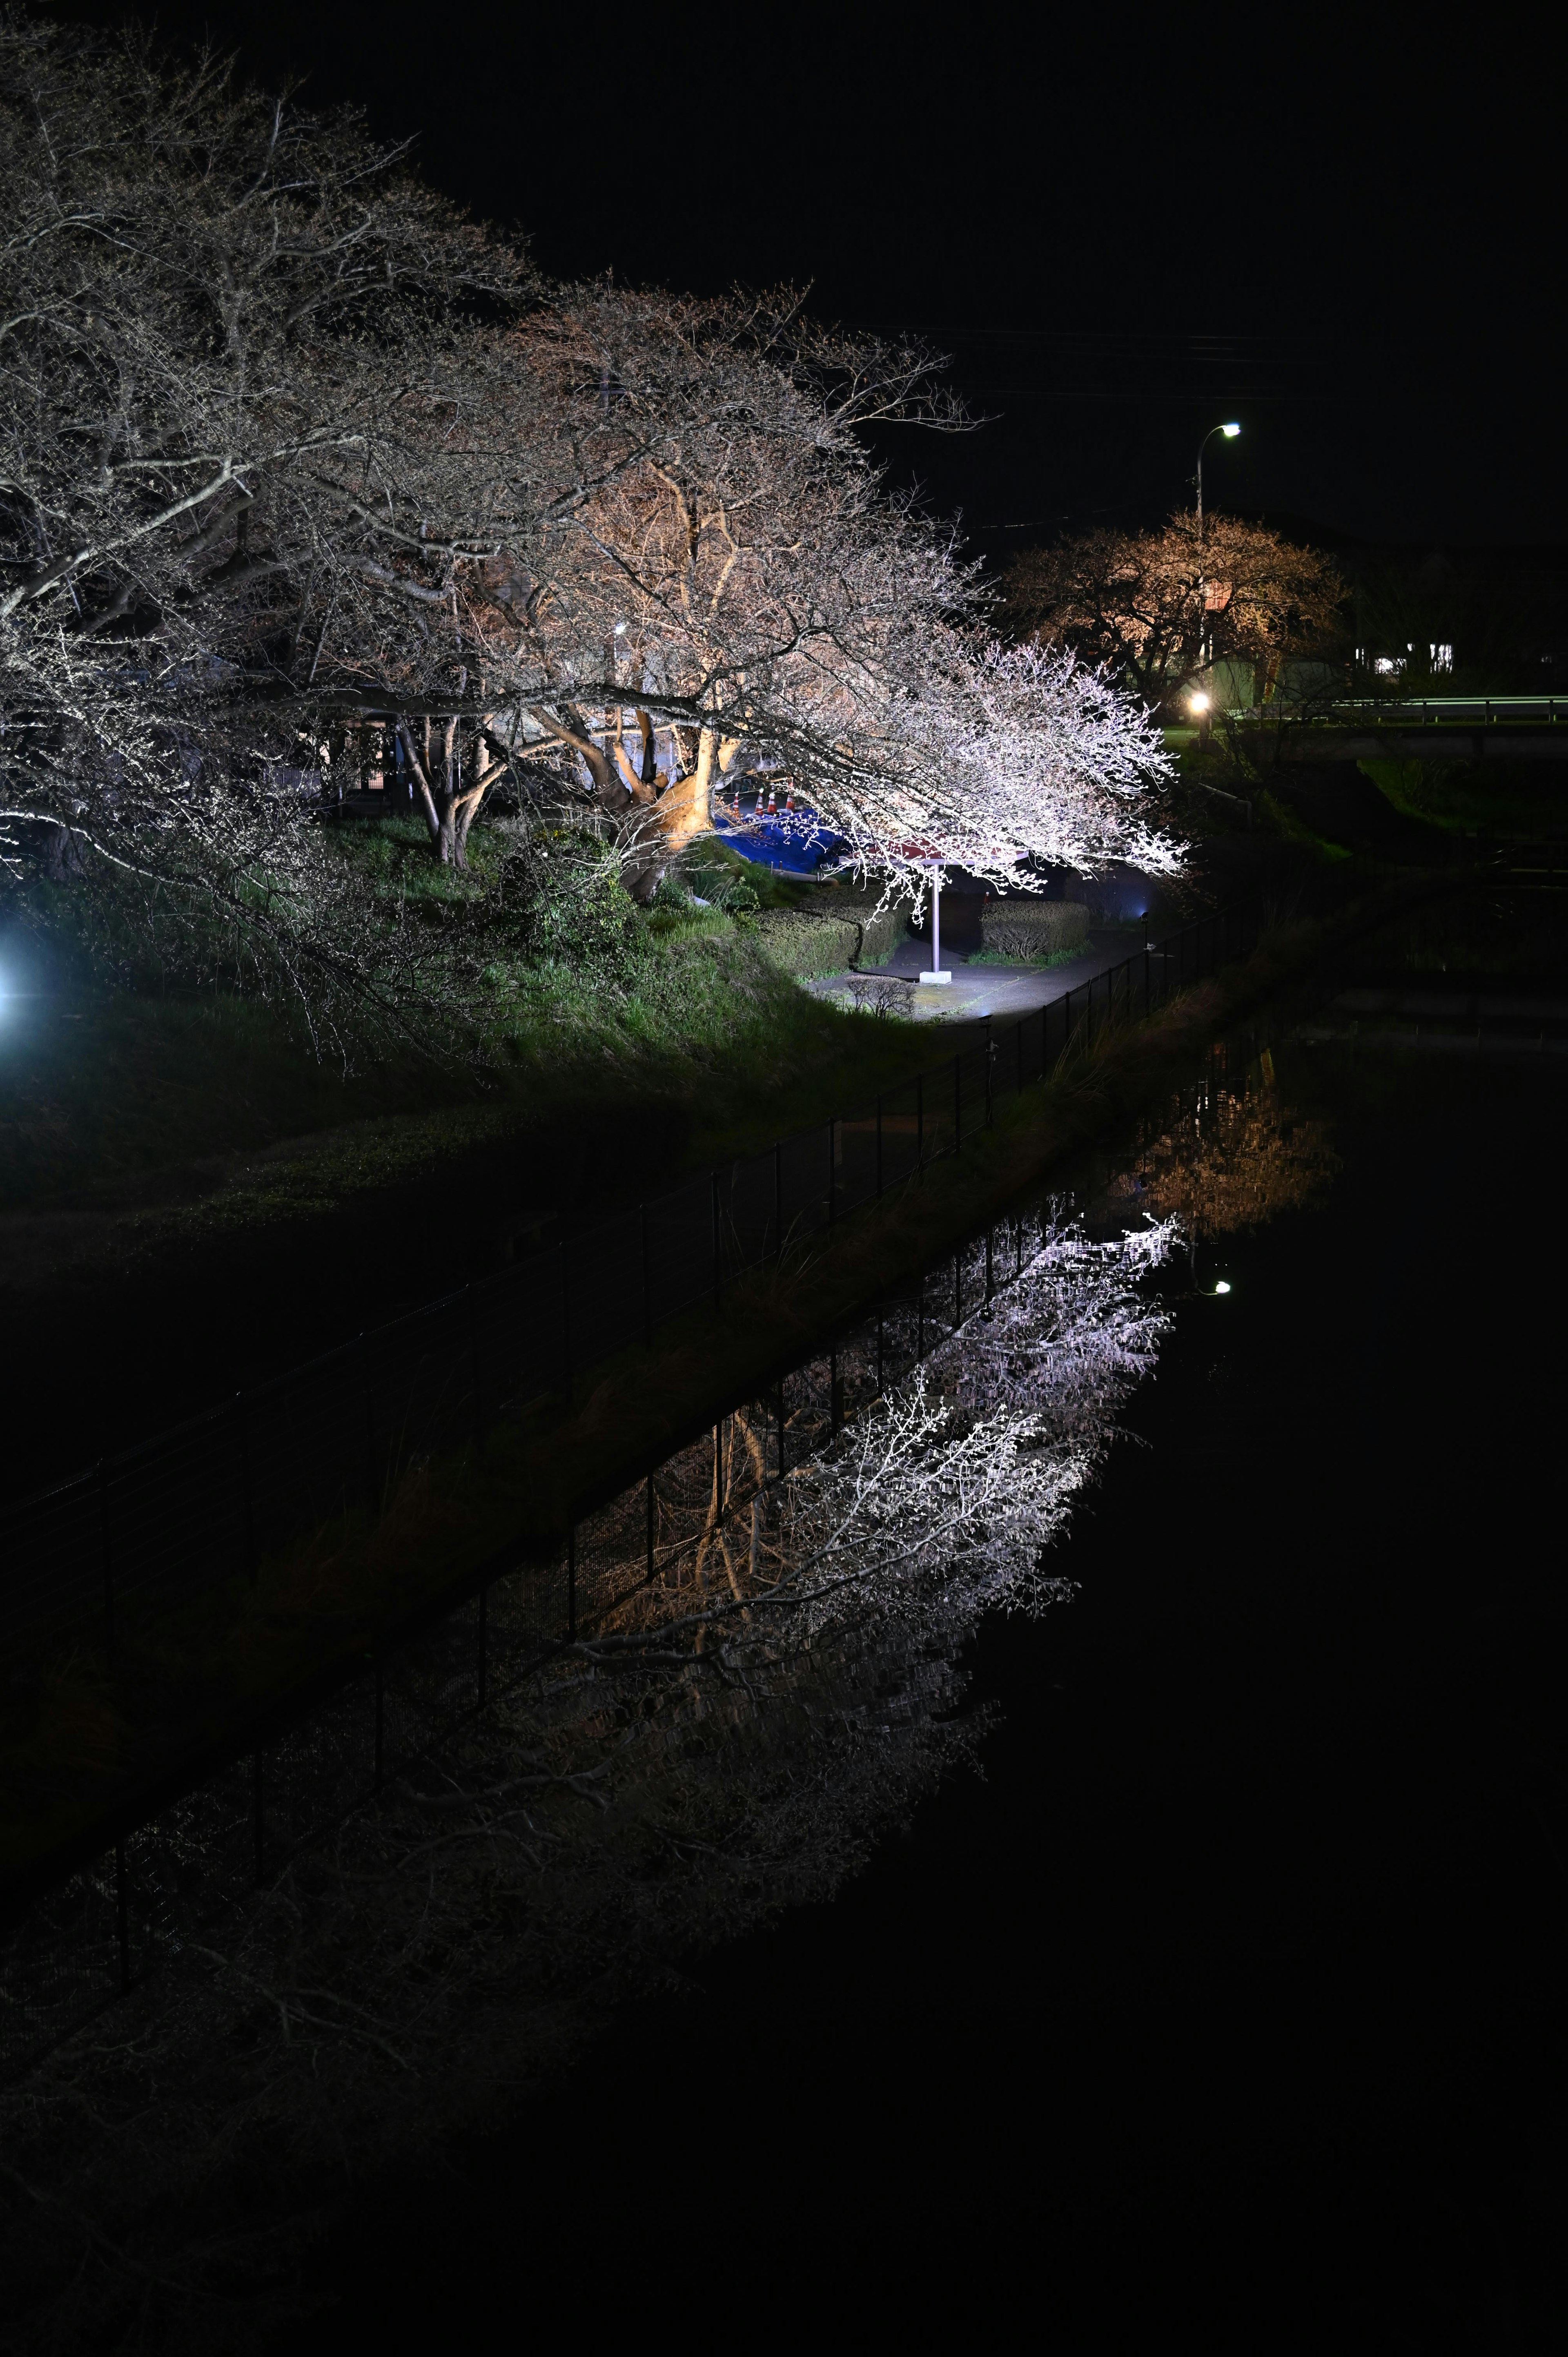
978, 990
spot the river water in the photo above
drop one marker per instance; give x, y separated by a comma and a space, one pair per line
1229, 2000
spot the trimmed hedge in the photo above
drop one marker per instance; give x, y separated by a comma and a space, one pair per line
806, 944
1034, 931
831, 931
879, 935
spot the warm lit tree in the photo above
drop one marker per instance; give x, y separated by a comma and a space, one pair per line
1157, 607
714, 556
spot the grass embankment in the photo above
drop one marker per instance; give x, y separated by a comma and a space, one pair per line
186, 1113
190, 1201
80, 1739
1491, 797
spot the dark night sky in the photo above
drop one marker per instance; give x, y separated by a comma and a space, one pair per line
1122, 228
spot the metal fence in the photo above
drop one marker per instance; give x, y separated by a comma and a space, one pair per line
141, 1532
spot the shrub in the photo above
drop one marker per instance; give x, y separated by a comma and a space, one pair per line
1034, 931
805, 944
578, 912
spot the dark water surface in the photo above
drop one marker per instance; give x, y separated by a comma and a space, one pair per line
1230, 2004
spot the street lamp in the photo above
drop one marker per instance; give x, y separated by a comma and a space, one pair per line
1230, 433
1204, 649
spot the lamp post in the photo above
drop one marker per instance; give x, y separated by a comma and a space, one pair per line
936, 973
1230, 433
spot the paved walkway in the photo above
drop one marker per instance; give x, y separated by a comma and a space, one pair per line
979, 990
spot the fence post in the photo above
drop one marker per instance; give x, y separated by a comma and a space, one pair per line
373, 1493
879, 1346
989, 1069
920, 1317
647, 1282
990, 1265
474, 1368
258, 1834
566, 1385
106, 1551
122, 1916
247, 1489
718, 1258
958, 1288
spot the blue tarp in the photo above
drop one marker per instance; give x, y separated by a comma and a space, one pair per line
795, 841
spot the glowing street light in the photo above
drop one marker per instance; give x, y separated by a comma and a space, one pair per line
1222, 1286
1230, 433
1205, 643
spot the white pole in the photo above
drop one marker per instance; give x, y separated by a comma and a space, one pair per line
936, 973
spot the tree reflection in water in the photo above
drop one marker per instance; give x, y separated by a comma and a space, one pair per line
1231, 1155
763, 1680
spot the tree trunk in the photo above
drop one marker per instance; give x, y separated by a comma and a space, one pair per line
649, 768
447, 805
682, 813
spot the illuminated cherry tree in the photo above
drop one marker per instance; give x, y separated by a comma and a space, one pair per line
270, 465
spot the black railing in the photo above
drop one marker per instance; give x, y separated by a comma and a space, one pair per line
194, 1508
